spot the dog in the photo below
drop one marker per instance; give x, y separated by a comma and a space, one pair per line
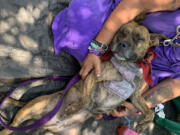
90, 96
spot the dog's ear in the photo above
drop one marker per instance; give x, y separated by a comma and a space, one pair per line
140, 18
155, 39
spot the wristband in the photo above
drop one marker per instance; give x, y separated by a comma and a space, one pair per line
100, 46
97, 48
94, 51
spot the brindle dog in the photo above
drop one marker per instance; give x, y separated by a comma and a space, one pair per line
88, 97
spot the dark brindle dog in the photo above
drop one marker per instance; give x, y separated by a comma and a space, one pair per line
89, 96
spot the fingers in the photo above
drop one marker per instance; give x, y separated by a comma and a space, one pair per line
123, 113
85, 70
97, 66
137, 114
129, 106
126, 109
91, 61
116, 113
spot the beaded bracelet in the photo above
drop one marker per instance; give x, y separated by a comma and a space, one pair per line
97, 48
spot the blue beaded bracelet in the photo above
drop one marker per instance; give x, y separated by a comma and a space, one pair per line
97, 48
94, 51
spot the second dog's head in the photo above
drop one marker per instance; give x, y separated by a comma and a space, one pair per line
132, 41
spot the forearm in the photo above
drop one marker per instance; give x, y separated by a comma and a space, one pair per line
163, 92
161, 5
127, 10
123, 13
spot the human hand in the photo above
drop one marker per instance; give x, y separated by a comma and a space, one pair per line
91, 61
126, 109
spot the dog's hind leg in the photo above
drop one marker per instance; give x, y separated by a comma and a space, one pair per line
35, 109
12, 101
139, 102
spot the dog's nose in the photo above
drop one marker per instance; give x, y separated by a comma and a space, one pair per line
124, 44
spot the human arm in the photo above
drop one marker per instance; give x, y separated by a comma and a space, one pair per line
127, 10
123, 13
166, 90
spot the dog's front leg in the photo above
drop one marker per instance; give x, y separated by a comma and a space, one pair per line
139, 102
109, 73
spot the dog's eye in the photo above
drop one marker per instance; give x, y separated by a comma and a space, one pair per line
141, 39
138, 37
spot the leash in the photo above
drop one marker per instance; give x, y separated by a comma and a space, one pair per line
49, 115
175, 41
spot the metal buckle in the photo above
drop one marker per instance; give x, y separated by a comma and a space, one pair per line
167, 42
173, 41
178, 29
176, 38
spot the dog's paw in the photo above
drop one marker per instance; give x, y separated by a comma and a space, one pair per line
140, 128
149, 117
143, 124
5, 132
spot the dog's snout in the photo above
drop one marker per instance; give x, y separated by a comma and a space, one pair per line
124, 44
133, 57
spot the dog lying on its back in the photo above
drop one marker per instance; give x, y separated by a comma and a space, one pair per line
90, 96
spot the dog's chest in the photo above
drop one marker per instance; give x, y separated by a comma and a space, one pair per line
127, 86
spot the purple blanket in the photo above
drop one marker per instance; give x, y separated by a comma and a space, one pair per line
74, 28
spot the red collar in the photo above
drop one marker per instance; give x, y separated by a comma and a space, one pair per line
145, 63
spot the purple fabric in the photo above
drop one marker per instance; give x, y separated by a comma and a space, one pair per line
167, 64
163, 22
77, 25
177, 41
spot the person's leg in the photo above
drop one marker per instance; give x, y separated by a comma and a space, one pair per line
163, 92
166, 90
